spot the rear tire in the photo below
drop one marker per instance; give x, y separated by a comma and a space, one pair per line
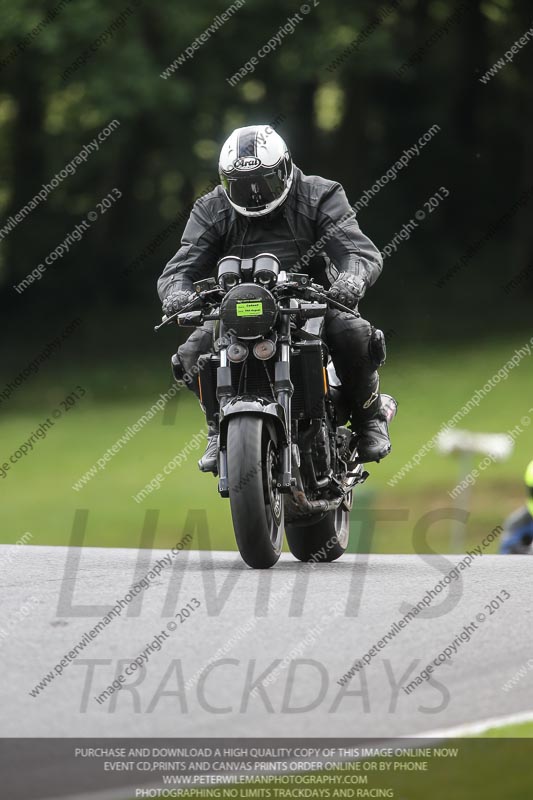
256, 503
321, 541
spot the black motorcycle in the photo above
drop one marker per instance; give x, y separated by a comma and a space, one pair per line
286, 459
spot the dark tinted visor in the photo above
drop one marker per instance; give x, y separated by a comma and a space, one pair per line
256, 190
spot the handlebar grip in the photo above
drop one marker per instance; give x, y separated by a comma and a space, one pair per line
190, 319
312, 311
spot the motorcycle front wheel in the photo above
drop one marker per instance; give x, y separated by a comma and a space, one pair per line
255, 501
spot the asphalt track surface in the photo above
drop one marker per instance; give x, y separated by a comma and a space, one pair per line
257, 621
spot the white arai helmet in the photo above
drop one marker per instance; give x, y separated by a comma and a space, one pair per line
255, 170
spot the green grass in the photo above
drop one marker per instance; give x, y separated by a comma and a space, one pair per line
429, 385
522, 731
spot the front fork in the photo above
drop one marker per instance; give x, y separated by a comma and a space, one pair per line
224, 393
283, 389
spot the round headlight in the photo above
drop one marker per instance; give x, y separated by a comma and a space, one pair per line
249, 310
264, 349
237, 352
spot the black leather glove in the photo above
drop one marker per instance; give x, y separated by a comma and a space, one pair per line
175, 301
347, 289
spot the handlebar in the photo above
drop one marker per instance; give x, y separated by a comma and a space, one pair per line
309, 292
198, 299
319, 293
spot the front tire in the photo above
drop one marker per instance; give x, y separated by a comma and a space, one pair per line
324, 540
255, 501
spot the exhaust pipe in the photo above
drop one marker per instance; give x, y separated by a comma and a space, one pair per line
299, 497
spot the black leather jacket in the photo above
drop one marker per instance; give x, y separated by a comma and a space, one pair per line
314, 230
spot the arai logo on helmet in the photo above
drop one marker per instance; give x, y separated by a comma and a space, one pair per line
247, 162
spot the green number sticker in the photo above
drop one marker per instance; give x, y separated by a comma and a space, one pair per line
251, 308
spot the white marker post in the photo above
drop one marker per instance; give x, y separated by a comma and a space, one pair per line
465, 445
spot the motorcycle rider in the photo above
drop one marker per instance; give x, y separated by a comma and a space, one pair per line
265, 203
518, 527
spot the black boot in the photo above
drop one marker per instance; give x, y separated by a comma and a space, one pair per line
208, 462
370, 425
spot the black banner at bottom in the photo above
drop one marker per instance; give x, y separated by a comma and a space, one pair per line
405, 769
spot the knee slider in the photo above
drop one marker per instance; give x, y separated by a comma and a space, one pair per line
377, 348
